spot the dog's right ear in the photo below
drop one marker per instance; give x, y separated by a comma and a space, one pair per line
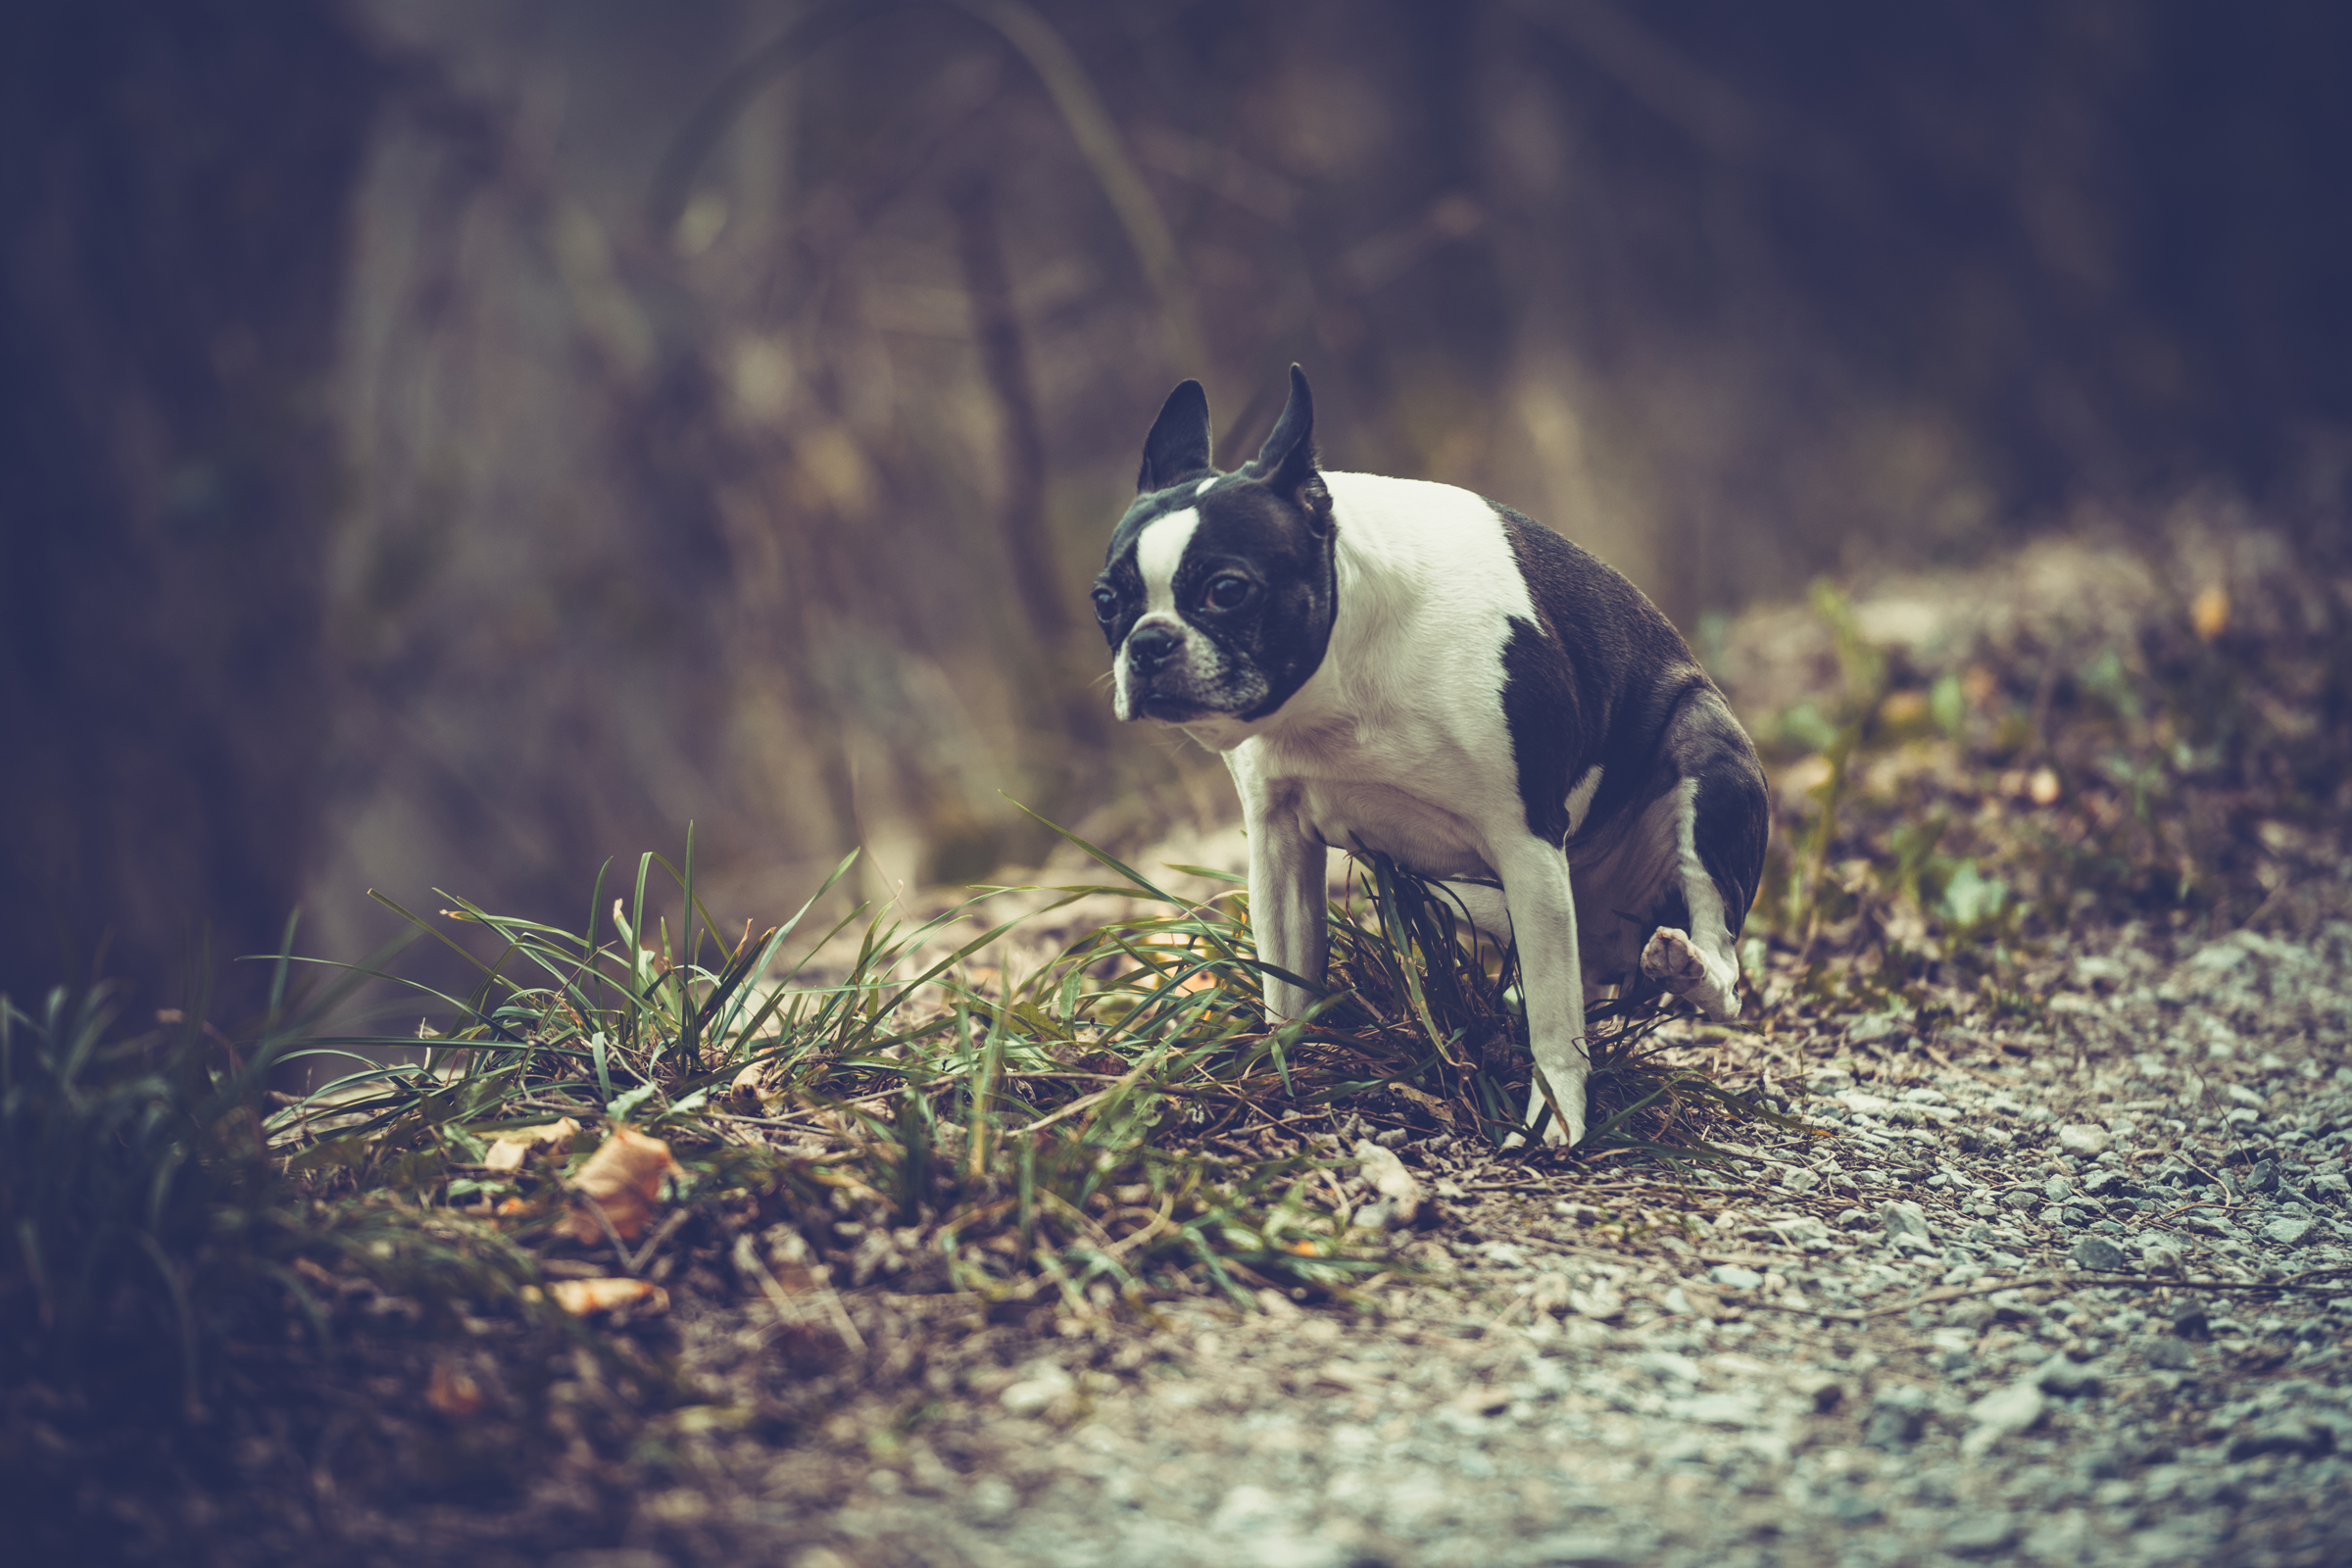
1179, 442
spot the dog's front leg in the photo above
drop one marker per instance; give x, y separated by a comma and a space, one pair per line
1286, 900
1542, 910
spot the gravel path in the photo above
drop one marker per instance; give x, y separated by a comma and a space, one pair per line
1937, 1374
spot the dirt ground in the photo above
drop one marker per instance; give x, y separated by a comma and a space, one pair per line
2070, 1286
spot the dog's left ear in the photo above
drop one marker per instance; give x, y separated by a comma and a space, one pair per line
1286, 464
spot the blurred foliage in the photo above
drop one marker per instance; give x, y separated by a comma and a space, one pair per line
1933, 813
615, 415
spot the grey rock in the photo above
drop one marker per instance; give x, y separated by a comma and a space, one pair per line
1731, 1277
2289, 1232
2263, 1178
2290, 1434
1904, 1221
2082, 1139
2170, 1356
2001, 1413
2024, 1197
1980, 1535
1898, 1414
1576, 1549
2058, 1189
2097, 1253
2067, 1378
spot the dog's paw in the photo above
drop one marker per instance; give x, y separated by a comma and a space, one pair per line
1561, 1131
1675, 962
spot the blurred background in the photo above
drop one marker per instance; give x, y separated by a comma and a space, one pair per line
450, 444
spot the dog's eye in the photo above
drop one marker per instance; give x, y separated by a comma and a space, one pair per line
1227, 592
1107, 606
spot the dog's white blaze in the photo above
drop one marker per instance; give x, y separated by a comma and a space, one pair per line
1580, 798
1158, 551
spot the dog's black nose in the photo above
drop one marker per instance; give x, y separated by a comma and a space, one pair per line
1152, 646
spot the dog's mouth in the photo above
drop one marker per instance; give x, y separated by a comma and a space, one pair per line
1169, 709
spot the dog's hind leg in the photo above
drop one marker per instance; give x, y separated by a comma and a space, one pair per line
1720, 823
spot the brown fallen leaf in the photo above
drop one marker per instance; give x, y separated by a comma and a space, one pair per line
581, 1298
623, 1178
509, 1153
2209, 612
453, 1392
1427, 1102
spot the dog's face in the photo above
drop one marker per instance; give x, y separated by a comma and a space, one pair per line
1217, 594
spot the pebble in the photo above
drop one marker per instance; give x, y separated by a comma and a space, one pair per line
1731, 1277
1983, 1535
2097, 1253
2067, 1378
1575, 1550
2289, 1232
2000, 1414
2082, 1139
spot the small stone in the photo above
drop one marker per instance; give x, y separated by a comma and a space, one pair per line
1999, 1414
2297, 1435
2082, 1139
2332, 1186
2067, 1378
2247, 1096
2289, 1232
1577, 1550
1035, 1394
2097, 1253
991, 1497
2263, 1178
2057, 1189
2170, 1356
1897, 1416
1904, 1221
2024, 1197
1983, 1535
1731, 1277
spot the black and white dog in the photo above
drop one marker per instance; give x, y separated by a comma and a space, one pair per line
1409, 667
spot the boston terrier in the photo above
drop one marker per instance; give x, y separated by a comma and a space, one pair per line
1410, 668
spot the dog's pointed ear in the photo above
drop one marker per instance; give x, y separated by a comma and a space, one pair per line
1286, 464
1179, 442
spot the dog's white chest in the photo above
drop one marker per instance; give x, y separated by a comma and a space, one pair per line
1417, 834
1360, 797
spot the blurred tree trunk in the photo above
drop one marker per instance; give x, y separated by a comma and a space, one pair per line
172, 203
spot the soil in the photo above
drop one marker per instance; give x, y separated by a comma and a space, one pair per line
2069, 1284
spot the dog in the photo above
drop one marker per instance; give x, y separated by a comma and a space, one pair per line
1406, 667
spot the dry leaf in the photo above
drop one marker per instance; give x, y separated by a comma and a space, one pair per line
2209, 612
453, 1392
625, 1178
1427, 1102
1385, 1173
509, 1152
580, 1298
752, 1084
